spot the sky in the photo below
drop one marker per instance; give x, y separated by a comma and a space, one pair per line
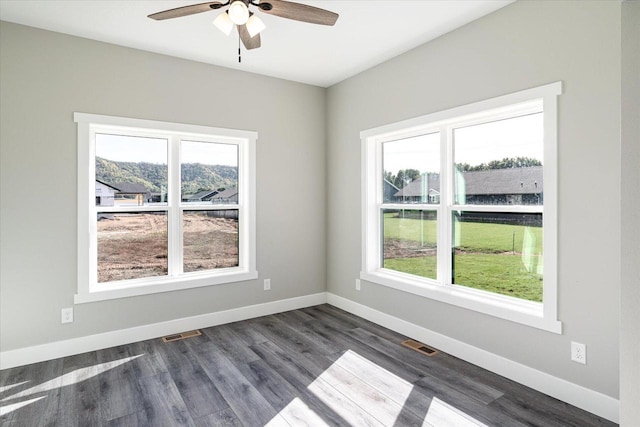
154, 150
516, 137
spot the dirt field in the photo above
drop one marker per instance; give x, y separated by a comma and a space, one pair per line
396, 248
132, 246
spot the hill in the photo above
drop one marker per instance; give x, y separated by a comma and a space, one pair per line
195, 176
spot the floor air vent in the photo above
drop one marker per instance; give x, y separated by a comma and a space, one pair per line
419, 347
181, 336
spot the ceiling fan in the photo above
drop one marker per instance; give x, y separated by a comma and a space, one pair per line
248, 24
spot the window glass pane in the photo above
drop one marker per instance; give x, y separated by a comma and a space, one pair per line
411, 170
210, 239
499, 252
130, 170
131, 245
410, 241
209, 173
500, 163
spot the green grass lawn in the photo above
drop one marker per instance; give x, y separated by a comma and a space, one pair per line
491, 257
502, 274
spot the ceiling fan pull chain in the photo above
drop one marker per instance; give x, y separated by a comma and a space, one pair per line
239, 54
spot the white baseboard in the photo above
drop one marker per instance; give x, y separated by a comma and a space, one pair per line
54, 350
576, 395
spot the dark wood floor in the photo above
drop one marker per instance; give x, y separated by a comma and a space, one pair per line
317, 366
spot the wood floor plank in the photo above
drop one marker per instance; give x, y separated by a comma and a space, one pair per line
375, 376
345, 342
297, 406
436, 393
275, 389
80, 401
475, 389
298, 413
143, 359
359, 322
198, 392
282, 396
118, 386
248, 404
136, 419
225, 418
380, 406
353, 414
32, 392
288, 367
323, 342
522, 396
163, 404
299, 316
539, 411
289, 338
247, 333
235, 349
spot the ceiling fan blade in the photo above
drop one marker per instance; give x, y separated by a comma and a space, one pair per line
248, 41
300, 12
185, 10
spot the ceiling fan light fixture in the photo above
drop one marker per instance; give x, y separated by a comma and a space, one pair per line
255, 25
224, 23
238, 12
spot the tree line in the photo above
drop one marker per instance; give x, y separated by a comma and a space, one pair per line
195, 176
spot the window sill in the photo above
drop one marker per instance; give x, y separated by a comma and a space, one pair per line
131, 288
512, 309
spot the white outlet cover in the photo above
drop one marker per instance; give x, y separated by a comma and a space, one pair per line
578, 352
67, 315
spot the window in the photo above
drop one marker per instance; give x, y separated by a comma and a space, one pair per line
460, 206
173, 206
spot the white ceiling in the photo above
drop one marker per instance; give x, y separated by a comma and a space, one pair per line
366, 34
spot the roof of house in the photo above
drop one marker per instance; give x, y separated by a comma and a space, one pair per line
229, 192
489, 182
129, 187
390, 184
108, 185
504, 181
415, 188
201, 195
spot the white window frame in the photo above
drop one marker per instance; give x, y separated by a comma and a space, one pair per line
89, 290
538, 315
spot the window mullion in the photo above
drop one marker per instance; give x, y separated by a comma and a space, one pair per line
446, 201
88, 155
174, 233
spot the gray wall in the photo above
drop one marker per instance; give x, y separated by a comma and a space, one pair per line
44, 78
523, 45
630, 292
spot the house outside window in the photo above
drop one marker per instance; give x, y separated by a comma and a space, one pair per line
473, 220
153, 225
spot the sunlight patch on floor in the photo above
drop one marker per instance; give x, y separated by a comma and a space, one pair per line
10, 386
297, 413
73, 377
13, 406
442, 414
365, 394
70, 378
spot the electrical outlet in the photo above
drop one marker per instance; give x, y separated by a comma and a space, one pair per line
267, 284
357, 284
67, 315
579, 352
